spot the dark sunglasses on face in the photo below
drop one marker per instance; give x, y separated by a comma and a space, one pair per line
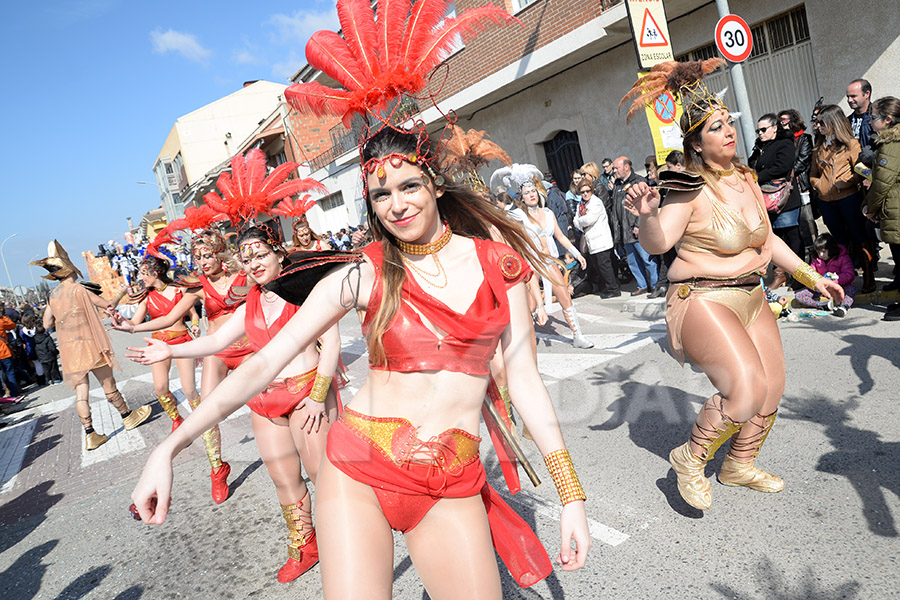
763, 129
586, 191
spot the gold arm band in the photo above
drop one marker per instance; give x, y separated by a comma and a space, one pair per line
320, 388
806, 275
562, 471
195, 322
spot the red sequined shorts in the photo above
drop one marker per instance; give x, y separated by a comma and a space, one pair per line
283, 395
235, 354
173, 337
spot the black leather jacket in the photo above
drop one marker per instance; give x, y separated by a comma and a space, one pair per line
803, 160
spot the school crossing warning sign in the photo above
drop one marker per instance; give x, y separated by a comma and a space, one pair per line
650, 32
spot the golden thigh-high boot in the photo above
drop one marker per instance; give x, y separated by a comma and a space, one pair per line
738, 468
168, 402
130, 418
303, 552
689, 460
212, 441
92, 439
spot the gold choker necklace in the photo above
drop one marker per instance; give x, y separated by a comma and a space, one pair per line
722, 172
429, 248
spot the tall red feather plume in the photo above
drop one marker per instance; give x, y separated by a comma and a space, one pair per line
294, 208
329, 52
163, 237
391, 22
247, 191
197, 218
391, 58
358, 27
470, 23
426, 15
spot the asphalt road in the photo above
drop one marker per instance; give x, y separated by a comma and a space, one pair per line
832, 533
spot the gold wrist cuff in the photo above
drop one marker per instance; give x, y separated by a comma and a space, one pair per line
562, 471
806, 275
320, 388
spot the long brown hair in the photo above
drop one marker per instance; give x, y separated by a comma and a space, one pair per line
889, 106
693, 160
835, 119
466, 211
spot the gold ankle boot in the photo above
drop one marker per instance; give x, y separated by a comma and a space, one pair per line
692, 483
94, 440
136, 417
738, 469
745, 474
712, 428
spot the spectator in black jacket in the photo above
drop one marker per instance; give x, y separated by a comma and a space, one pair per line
46, 351
556, 202
773, 159
642, 266
791, 121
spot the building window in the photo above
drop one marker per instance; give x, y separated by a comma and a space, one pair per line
775, 34
333, 201
176, 198
520, 4
169, 169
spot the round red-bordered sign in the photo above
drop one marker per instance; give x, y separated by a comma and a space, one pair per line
733, 38
664, 107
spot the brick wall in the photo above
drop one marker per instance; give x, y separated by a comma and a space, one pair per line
310, 132
543, 21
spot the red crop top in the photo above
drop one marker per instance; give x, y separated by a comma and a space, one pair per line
471, 338
258, 333
217, 305
159, 306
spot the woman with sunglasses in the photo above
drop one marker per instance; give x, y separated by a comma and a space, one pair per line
883, 198
592, 220
773, 160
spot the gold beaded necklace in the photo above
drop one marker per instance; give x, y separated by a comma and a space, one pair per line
431, 248
722, 172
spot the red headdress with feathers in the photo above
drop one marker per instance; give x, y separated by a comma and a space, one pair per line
163, 237
378, 60
197, 219
294, 208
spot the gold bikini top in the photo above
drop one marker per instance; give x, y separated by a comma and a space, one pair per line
727, 232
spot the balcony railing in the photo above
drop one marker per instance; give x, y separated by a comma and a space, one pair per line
343, 139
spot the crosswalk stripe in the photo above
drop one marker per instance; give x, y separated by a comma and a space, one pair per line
14, 442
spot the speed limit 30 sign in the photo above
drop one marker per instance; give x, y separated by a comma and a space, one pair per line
733, 38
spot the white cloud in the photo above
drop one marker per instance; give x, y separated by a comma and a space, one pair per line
283, 70
294, 30
183, 43
246, 57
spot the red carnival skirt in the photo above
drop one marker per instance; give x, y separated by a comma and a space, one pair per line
409, 476
235, 354
173, 337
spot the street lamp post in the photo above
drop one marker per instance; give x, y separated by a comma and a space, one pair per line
3, 258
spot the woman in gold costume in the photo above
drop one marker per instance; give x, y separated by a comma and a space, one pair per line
715, 216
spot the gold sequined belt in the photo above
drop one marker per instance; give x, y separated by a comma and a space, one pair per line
748, 281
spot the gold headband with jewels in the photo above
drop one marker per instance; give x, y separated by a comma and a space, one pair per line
376, 165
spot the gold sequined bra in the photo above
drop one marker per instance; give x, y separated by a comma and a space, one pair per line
727, 232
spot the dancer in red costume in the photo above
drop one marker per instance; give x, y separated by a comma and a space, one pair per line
159, 299
224, 287
439, 297
291, 415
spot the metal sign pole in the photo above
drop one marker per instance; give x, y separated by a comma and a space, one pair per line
746, 121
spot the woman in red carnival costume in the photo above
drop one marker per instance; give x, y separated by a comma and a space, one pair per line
224, 287
158, 299
304, 238
715, 213
439, 297
295, 404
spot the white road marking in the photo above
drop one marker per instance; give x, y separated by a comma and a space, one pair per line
552, 510
14, 442
108, 421
563, 366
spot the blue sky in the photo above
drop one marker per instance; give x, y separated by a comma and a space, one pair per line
91, 90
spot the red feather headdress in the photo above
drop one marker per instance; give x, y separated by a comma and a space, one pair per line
378, 60
163, 237
294, 208
197, 219
247, 191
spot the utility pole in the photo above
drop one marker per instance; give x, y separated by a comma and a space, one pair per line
746, 120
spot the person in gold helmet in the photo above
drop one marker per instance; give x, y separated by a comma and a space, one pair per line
84, 345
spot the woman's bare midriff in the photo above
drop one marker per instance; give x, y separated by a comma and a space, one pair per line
433, 401
689, 264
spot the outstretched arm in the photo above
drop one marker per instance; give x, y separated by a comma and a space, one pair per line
135, 325
530, 397
785, 258
327, 303
201, 347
